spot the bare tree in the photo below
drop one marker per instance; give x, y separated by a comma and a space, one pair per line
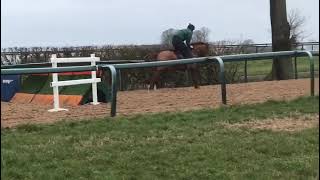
166, 36
201, 35
296, 23
246, 42
282, 68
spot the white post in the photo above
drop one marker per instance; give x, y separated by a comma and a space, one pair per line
55, 88
55, 82
94, 84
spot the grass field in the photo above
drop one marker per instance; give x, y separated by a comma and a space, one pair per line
188, 145
263, 67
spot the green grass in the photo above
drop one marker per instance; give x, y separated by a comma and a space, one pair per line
263, 67
189, 145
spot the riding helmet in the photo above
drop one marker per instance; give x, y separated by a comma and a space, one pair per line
191, 27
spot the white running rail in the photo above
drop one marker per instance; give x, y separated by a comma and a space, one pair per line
56, 83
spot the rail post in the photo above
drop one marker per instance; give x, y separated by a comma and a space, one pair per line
295, 68
94, 84
113, 72
222, 79
311, 71
56, 103
245, 71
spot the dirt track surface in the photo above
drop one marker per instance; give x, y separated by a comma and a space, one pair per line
162, 100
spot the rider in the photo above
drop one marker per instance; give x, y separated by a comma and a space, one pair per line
178, 41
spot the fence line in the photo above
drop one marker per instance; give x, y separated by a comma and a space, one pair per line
213, 59
15, 53
220, 59
103, 49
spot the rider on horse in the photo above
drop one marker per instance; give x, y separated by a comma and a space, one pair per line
178, 41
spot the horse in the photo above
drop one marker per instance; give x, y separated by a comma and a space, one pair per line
200, 49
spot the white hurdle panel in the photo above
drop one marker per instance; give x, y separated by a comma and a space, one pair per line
56, 83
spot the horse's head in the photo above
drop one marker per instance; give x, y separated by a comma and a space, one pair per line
200, 49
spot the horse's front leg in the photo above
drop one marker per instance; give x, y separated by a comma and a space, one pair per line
195, 75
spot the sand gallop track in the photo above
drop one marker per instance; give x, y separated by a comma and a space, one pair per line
162, 100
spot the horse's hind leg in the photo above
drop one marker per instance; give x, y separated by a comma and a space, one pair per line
155, 79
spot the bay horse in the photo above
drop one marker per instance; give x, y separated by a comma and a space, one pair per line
200, 49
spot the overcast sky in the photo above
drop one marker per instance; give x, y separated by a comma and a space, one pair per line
101, 22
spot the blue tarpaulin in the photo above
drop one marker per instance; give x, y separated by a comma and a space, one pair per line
10, 84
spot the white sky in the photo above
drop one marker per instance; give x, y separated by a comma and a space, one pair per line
101, 22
